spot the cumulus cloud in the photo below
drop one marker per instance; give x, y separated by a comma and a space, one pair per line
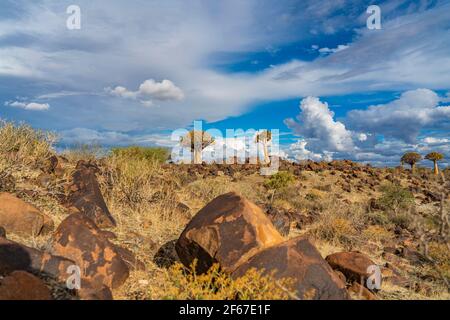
403, 118
165, 90
33, 106
299, 152
317, 126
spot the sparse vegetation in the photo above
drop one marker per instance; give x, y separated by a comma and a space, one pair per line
142, 153
153, 202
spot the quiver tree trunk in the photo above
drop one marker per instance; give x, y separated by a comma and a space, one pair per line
436, 168
197, 156
266, 153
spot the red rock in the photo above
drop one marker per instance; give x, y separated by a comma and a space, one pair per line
21, 218
21, 285
299, 260
228, 230
85, 195
14, 256
352, 264
79, 239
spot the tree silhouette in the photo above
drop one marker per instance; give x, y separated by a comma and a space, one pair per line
264, 137
197, 140
411, 158
435, 157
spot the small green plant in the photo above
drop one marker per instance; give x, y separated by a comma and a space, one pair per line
142, 153
396, 202
278, 181
394, 198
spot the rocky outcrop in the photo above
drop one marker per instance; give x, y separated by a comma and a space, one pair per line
21, 285
229, 230
299, 260
14, 256
19, 217
85, 195
79, 239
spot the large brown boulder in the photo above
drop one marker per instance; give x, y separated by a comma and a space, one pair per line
14, 256
299, 260
353, 265
21, 218
228, 230
21, 285
79, 239
85, 195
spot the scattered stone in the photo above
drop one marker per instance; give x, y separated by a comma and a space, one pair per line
21, 218
299, 260
21, 285
79, 239
352, 264
14, 256
228, 230
85, 195
87, 292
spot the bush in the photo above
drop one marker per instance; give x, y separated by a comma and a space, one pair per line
142, 153
217, 285
394, 198
279, 180
21, 144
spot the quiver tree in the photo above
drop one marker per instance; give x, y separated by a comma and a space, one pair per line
435, 157
264, 137
411, 158
197, 140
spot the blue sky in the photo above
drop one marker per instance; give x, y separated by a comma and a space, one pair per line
137, 70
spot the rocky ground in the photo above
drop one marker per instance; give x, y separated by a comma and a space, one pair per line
144, 230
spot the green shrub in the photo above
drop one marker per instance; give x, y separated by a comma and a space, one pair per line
279, 180
394, 198
142, 153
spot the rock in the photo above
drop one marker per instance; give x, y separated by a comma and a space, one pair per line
79, 239
2, 232
299, 260
14, 256
228, 230
85, 195
21, 218
21, 285
359, 292
87, 292
352, 264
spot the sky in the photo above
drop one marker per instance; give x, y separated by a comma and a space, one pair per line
137, 70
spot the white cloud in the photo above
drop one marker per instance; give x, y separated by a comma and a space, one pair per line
150, 89
339, 48
299, 152
403, 118
33, 106
317, 126
164, 90
433, 140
